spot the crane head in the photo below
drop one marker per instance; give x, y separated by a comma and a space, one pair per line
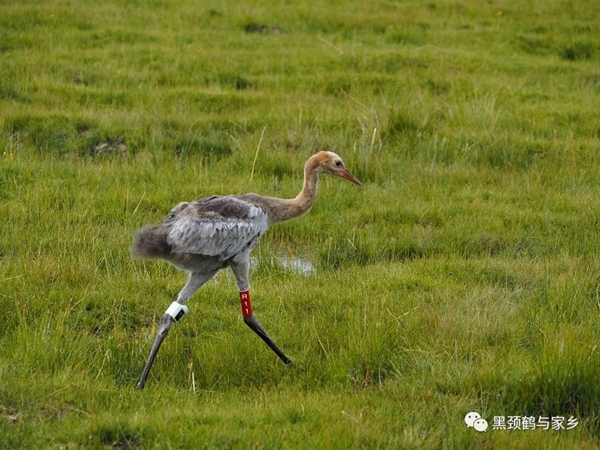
333, 164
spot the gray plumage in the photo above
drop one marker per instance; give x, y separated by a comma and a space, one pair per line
204, 235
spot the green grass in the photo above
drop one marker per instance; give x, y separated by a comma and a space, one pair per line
463, 276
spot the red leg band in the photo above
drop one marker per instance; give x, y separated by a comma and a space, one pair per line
245, 302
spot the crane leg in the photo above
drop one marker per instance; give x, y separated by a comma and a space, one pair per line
163, 330
255, 326
173, 314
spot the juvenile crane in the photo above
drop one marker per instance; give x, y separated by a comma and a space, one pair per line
209, 234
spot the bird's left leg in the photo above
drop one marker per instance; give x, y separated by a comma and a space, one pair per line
173, 314
241, 276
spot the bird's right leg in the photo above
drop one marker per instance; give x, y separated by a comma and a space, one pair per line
255, 326
240, 270
173, 314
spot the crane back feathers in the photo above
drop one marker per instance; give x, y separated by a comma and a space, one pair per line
210, 231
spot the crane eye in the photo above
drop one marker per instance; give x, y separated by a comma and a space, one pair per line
338, 163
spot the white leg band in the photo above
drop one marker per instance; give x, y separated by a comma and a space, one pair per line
177, 310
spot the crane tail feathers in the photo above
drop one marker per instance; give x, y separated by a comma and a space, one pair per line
150, 242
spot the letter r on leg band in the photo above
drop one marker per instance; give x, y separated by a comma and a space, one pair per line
245, 303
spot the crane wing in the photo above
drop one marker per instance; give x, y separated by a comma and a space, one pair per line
217, 226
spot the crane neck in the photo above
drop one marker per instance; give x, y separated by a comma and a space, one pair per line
303, 202
280, 210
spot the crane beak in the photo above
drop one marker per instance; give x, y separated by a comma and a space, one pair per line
348, 176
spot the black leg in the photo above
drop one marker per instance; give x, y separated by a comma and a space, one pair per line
258, 329
165, 324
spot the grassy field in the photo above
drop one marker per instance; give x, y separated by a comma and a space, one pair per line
463, 276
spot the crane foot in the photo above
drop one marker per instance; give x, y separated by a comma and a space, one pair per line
165, 325
258, 329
